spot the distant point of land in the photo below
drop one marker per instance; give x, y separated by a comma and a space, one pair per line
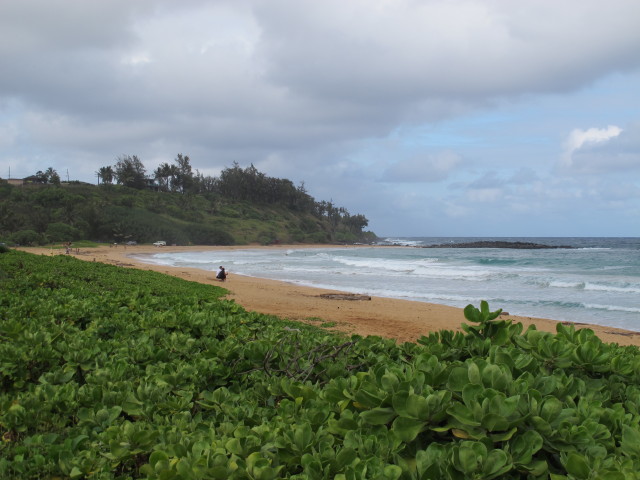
496, 244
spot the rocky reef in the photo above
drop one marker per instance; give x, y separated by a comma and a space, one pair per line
497, 244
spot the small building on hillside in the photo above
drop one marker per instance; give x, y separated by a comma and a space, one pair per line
13, 181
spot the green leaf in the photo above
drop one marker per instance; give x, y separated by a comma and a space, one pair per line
392, 472
496, 464
503, 437
184, 469
576, 465
302, 437
75, 473
389, 382
311, 463
472, 314
463, 414
494, 422
346, 457
400, 403
458, 379
417, 407
234, 446
471, 455
369, 398
158, 456
550, 409
132, 406
524, 446
407, 429
378, 416
474, 374
471, 395
630, 443
611, 476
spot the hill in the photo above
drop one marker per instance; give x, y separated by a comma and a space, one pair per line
242, 206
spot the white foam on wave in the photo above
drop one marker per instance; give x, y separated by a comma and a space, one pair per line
153, 259
611, 288
429, 267
565, 284
252, 261
404, 242
378, 264
612, 308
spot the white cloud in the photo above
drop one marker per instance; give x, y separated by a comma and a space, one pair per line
577, 138
610, 150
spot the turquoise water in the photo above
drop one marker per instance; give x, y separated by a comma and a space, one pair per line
596, 282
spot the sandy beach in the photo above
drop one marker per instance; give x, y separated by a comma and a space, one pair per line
402, 320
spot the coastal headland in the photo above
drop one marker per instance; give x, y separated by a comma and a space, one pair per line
402, 320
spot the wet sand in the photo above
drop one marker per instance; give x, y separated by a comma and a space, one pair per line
403, 320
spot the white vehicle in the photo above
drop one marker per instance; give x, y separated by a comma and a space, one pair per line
160, 243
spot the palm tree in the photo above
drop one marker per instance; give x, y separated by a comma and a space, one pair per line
106, 174
52, 176
162, 174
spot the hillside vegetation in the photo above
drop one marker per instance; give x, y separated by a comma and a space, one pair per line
241, 206
109, 373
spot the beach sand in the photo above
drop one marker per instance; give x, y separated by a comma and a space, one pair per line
402, 320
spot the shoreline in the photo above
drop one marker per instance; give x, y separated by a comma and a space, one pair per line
402, 320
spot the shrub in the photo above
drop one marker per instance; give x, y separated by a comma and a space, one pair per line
108, 372
61, 232
208, 235
27, 238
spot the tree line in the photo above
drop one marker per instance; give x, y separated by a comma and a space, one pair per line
175, 203
234, 183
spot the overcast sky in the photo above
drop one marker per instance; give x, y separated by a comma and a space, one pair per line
431, 118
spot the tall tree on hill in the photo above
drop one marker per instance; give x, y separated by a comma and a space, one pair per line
105, 174
52, 176
130, 171
183, 179
49, 176
163, 175
230, 182
355, 223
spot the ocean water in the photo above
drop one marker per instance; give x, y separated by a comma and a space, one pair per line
595, 282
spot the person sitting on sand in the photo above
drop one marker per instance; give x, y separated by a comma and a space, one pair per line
222, 274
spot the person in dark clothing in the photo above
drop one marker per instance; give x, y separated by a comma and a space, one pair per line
222, 274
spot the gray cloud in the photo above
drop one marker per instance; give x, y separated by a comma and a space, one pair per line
302, 89
408, 50
424, 168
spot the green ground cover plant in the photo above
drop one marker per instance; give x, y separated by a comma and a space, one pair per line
107, 372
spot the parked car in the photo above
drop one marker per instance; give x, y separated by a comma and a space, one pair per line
132, 242
160, 243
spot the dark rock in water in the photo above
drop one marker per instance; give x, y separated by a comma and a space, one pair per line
497, 244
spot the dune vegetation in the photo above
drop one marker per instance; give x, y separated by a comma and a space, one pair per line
108, 372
